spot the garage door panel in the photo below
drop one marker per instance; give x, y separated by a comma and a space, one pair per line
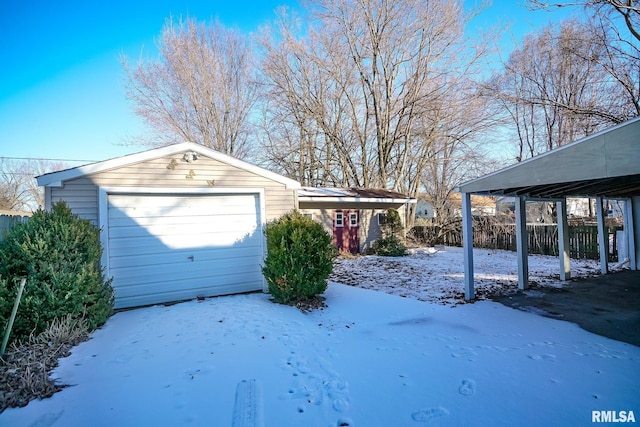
193, 220
153, 245
152, 237
178, 206
212, 224
134, 276
167, 284
186, 237
183, 257
154, 293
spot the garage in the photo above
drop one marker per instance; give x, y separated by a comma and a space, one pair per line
177, 222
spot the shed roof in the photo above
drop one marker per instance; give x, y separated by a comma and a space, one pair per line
606, 164
363, 195
55, 179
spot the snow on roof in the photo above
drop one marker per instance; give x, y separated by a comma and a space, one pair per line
352, 194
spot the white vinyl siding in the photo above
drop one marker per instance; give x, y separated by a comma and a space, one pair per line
81, 194
164, 247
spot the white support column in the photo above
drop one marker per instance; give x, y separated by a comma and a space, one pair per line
563, 240
467, 243
603, 237
629, 231
522, 243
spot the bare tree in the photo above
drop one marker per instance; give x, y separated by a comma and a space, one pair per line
19, 190
363, 89
457, 152
201, 89
628, 10
555, 90
615, 26
13, 193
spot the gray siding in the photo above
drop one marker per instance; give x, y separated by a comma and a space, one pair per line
369, 229
81, 196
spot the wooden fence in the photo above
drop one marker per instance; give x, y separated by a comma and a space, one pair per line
8, 221
543, 238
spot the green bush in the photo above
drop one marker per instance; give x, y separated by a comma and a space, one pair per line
59, 254
392, 225
392, 242
300, 256
389, 246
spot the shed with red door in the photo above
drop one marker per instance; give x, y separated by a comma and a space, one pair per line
352, 215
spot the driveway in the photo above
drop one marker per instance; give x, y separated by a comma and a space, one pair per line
608, 305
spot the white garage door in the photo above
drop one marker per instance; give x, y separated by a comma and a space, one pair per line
165, 248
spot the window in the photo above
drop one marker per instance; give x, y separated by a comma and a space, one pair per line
353, 219
382, 218
308, 214
339, 219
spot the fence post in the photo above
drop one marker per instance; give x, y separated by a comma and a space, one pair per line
629, 225
522, 243
603, 237
467, 241
563, 240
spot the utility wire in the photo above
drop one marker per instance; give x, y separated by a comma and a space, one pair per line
45, 159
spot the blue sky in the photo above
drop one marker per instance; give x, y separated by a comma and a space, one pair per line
62, 91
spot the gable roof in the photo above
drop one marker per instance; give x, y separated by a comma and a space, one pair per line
357, 195
55, 179
604, 164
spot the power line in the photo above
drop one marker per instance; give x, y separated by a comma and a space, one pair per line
50, 160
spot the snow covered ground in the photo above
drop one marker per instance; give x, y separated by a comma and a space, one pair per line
369, 359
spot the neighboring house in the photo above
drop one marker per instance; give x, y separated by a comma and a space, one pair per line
177, 222
577, 207
480, 205
537, 212
353, 216
424, 209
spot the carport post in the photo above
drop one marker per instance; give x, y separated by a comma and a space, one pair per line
522, 243
603, 237
563, 240
467, 243
629, 230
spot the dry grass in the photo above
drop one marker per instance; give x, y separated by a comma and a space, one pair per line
25, 367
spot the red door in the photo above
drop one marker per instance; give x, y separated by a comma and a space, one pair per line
346, 227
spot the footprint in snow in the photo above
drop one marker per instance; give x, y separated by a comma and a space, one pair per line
542, 356
426, 415
47, 420
467, 388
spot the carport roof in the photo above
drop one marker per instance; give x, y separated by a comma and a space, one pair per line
606, 164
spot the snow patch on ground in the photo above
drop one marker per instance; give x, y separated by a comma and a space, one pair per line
436, 275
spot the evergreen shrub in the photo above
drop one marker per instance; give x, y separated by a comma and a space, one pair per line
392, 241
59, 254
300, 255
389, 246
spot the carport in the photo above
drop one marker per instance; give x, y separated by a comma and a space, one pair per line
605, 165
